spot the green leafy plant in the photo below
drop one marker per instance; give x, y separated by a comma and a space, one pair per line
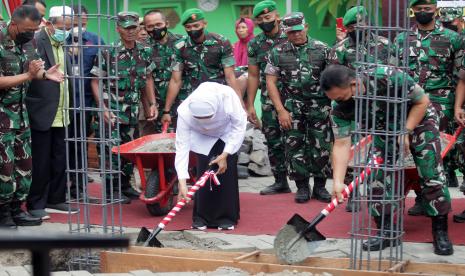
332, 7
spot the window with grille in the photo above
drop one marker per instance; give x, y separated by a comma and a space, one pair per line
246, 11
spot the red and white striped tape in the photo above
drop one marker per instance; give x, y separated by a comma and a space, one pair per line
349, 188
190, 194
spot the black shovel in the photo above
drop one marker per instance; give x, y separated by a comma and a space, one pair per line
298, 239
147, 238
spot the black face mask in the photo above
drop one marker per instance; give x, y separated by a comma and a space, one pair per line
24, 37
353, 36
159, 34
424, 18
449, 26
195, 34
267, 26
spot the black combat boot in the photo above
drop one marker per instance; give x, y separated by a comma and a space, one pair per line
127, 189
303, 191
441, 242
280, 186
381, 240
319, 190
460, 218
452, 179
22, 218
462, 186
417, 209
6, 221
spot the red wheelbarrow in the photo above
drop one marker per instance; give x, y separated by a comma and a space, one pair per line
161, 185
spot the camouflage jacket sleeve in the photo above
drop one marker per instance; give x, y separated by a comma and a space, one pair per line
340, 124
96, 70
458, 46
336, 56
272, 65
415, 92
227, 57
147, 55
178, 62
251, 53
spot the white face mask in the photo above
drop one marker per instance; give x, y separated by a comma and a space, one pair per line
75, 31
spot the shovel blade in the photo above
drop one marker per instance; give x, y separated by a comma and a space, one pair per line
291, 246
143, 239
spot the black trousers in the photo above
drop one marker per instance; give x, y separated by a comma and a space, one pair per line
48, 168
77, 149
217, 205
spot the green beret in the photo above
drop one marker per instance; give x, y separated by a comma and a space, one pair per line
354, 14
293, 22
264, 7
449, 14
422, 2
128, 19
192, 15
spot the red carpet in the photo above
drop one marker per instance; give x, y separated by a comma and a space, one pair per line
267, 214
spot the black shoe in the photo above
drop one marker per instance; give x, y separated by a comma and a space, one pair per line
452, 179
279, 187
381, 240
460, 218
303, 191
442, 244
462, 186
130, 192
319, 190
90, 179
417, 209
352, 206
199, 225
6, 220
22, 218
124, 199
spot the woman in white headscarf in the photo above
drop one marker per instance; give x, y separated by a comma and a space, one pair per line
211, 122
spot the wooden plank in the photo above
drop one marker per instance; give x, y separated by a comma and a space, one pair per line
118, 262
340, 263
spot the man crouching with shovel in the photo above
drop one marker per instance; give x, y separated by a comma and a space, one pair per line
422, 138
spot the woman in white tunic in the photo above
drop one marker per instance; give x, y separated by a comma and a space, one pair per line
211, 122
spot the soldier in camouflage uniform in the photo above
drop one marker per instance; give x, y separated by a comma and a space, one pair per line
19, 65
130, 62
435, 62
162, 43
258, 49
345, 52
452, 18
305, 114
422, 139
201, 56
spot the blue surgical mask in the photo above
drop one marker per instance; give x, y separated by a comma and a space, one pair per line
60, 35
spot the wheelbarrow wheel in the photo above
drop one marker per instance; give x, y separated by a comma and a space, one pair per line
151, 190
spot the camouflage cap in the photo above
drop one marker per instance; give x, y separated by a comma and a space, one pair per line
293, 22
449, 14
192, 15
354, 15
422, 2
128, 19
264, 7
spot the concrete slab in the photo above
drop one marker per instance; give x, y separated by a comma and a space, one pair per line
141, 273
61, 273
16, 271
80, 273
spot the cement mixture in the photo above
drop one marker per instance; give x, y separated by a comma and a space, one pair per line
232, 271
157, 146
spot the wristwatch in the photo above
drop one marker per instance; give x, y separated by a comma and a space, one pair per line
166, 112
409, 131
44, 75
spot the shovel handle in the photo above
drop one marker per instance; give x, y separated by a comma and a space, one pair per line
209, 174
164, 128
349, 188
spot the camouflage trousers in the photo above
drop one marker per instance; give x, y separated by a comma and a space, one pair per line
309, 141
15, 164
111, 161
425, 146
274, 137
455, 159
152, 127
